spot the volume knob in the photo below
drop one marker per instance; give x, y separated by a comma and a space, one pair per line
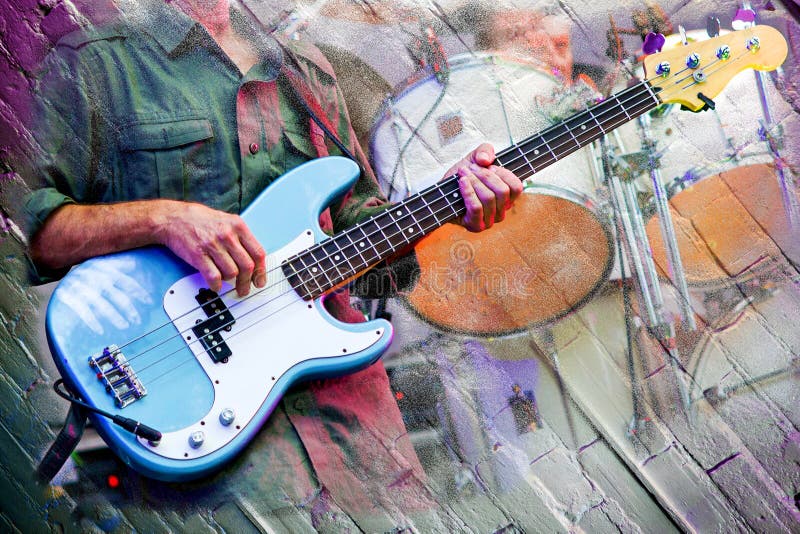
196, 439
227, 416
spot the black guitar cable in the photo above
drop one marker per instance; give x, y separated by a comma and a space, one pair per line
143, 431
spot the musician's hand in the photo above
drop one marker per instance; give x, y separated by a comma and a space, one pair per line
488, 190
217, 244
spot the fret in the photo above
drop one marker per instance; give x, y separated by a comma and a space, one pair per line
555, 158
619, 105
314, 278
294, 278
321, 258
368, 240
452, 198
502, 154
332, 252
343, 254
433, 213
414, 231
401, 232
546, 137
569, 130
652, 93
599, 124
380, 226
527, 161
438, 205
348, 235
585, 134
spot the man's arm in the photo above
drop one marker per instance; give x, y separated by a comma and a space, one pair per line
219, 245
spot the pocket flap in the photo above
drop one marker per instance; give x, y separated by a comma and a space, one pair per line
162, 135
299, 138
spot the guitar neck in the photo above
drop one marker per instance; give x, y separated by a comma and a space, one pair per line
342, 257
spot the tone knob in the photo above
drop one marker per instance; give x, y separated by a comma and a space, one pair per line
196, 439
693, 60
227, 416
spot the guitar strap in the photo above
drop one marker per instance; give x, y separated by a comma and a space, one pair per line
305, 97
64, 444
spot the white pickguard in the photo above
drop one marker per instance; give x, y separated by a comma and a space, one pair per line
275, 330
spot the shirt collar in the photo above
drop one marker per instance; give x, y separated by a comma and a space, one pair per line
168, 25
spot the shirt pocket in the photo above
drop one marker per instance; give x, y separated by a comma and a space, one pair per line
165, 159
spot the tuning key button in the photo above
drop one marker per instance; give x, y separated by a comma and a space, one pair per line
196, 439
227, 416
753, 44
724, 52
693, 60
663, 68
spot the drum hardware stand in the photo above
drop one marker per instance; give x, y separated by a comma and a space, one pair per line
632, 236
718, 393
549, 350
786, 183
665, 221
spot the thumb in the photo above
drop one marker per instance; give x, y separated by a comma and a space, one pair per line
483, 155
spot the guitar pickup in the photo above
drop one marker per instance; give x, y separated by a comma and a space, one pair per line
117, 375
209, 332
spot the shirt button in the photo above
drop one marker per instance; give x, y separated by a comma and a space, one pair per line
253, 148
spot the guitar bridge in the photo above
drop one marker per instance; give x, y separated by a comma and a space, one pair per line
115, 373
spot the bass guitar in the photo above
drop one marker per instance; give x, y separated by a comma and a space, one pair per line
207, 369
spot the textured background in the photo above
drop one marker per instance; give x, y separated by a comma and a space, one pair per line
578, 465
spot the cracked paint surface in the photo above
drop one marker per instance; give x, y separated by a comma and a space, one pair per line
557, 428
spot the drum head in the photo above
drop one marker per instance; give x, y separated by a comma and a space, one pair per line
545, 259
428, 124
727, 226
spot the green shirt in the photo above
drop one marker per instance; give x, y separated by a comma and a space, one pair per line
153, 108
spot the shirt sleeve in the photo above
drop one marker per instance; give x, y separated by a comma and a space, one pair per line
64, 162
61, 165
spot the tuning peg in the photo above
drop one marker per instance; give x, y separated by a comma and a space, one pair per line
682, 31
744, 18
712, 26
653, 43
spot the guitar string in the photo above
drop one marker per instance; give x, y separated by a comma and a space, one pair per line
642, 85
410, 214
644, 98
317, 278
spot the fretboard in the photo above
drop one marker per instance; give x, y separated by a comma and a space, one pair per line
333, 261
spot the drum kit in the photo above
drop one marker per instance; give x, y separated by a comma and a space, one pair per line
694, 212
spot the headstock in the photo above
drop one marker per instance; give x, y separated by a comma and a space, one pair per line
758, 47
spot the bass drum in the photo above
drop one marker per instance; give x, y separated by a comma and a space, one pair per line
729, 227
430, 123
550, 254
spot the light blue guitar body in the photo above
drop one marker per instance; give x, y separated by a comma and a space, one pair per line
143, 303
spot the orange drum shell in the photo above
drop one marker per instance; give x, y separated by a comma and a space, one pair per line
544, 260
727, 225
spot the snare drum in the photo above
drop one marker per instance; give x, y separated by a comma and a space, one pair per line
548, 256
427, 126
